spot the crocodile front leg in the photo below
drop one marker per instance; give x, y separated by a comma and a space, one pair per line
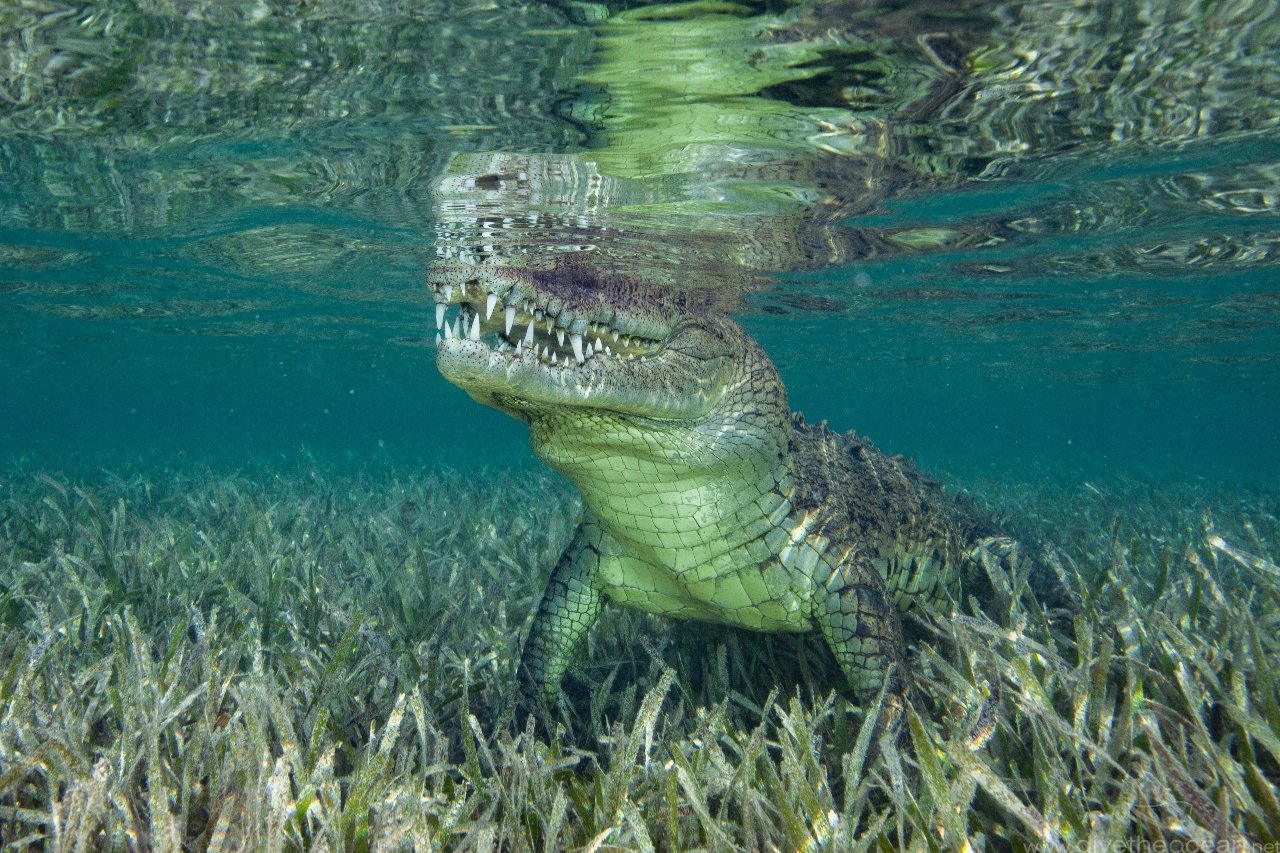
862, 628
569, 607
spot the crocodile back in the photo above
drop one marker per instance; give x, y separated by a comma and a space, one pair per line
917, 536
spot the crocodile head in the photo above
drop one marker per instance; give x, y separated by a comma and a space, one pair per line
557, 304
619, 382
529, 342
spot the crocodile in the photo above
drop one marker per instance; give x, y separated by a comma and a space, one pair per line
593, 295
705, 497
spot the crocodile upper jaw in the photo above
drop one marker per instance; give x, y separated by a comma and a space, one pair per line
519, 347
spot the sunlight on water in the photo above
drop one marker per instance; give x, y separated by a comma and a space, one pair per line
1063, 209
166, 211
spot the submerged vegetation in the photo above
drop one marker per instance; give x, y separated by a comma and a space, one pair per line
324, 662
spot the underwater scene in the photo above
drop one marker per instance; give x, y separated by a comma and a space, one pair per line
777, 425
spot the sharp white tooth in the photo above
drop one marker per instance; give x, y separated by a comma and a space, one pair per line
553, 358
598, 345
440, 307
560, 336
551, 324
448, 293
576, 340
490, 301
590, 351
437, 339
528, 333
607, 350
510, 318
457, 327
538, 315
519, 347
448, 332
475, 327
614, 332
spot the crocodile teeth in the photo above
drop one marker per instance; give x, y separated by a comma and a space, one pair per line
440, 308
576, 340
509, 318
560, 335
528, 333
599, 346
475, 327
448, 293
448, 332
490, 301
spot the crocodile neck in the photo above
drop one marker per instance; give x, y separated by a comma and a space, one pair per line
702, 487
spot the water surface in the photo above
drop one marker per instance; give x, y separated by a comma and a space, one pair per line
214, 219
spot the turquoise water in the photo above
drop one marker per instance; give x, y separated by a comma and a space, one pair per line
1057, 352
214, 223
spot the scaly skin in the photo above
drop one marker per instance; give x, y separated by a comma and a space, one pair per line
705, 498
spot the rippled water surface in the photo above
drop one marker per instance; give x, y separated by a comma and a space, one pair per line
1040, 237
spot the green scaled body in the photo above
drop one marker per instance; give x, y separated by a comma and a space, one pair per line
705, 497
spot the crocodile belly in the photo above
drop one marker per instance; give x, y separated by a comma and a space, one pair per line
758, 598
